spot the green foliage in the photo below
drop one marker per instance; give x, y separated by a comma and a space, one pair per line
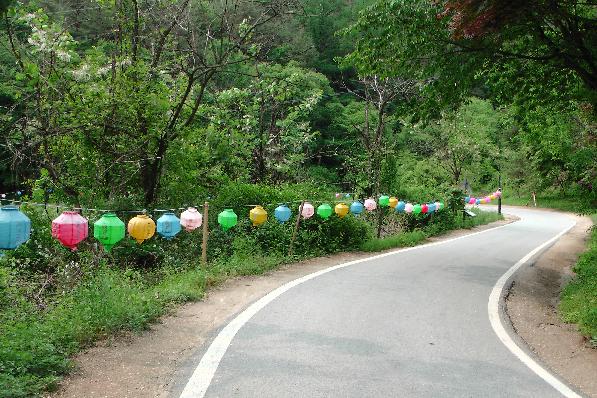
579, 298
401, 240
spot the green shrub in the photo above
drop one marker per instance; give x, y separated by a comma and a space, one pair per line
579, 298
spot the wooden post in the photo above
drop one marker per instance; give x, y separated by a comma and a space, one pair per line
534, 199
296, 227
205, 234
380, 215
500, 197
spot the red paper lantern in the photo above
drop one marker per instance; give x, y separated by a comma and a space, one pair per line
70, 229
424, 209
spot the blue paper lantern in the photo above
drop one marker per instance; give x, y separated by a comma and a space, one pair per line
356, 208
400, 207
15, 228
431, 208
282, 213
467, 199
168, 225
478, 201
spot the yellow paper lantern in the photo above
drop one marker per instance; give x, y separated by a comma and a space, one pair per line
393, 202
492, 197
141, 228
341, 209
258, 215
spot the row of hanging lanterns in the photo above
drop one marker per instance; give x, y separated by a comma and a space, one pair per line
487, 199
70, 228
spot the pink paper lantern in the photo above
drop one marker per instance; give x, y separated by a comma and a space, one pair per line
338, 195
472, 201
498, 193
437, 206
308, 210
370, 204
408, 208
191, 219
487, 199
70, 228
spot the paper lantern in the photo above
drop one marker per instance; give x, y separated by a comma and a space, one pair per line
109, 230
437, 206
258, 215
424, 208
308, 210
341, 210
477, 201
370, 205
282, 213
492, 196
227, 219
487, 199
400, 207
498, 193
408, 208
467, 199
384, 201
70, 228
141, 228
472, 201
347, 196
324, 211
168, 225
191, 219
431, 208
356, 208
338, 195
15, 228
393, 202
417, 209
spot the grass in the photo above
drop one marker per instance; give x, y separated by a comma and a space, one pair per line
406, 239
579, 298
35, 345
572, 204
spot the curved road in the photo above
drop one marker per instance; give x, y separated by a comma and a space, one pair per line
410, 324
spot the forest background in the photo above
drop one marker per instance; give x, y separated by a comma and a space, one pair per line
145, 104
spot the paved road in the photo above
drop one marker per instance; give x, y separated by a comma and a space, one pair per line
413, 324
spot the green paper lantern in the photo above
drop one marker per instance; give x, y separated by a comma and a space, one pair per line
227, 219
417, 209
109, 230
384, 201
324, 211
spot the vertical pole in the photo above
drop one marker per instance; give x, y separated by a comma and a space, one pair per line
296, 227
500, 197
534, 199
380, 220
205, 234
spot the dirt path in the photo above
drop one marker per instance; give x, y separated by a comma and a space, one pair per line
146, 365
532, 308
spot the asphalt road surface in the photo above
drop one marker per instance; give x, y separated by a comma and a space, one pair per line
411, 324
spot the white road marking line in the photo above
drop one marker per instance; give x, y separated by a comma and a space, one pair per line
201, 378
493, 309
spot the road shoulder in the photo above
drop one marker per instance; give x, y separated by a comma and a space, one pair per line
532, 303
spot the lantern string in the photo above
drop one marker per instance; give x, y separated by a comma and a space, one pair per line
3, 198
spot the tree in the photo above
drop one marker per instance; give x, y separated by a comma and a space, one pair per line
126, 100
267, 122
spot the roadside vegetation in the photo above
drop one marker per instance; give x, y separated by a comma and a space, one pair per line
579, 298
